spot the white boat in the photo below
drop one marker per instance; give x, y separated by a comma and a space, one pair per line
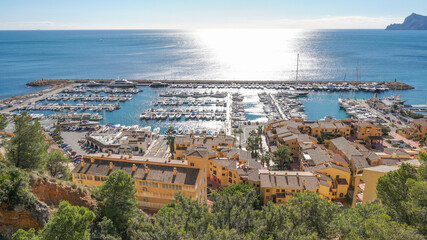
122, 83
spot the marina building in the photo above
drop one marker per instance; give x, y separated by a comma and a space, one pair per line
156, 181
417, 127
365, 189
182, 142
368, 132
357, 160
121, 140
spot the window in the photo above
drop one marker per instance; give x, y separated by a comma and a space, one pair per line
229, 180
171, 186
192, 164
223, 168
230, 174
341, 195
223, 174
214, 172
234, 181
268, 190
148, 184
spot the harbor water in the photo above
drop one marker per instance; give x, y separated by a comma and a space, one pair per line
238, 55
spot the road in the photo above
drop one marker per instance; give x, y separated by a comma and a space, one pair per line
38, 96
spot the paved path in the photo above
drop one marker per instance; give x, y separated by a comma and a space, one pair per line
407, 141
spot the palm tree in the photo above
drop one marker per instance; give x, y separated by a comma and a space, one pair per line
259, 133
266, 158
284, 157
171, 143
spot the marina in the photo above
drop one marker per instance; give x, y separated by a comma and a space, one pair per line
200, 106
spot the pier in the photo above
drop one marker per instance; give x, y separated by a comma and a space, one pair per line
392, 85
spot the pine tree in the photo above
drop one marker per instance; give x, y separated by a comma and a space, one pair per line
27, 148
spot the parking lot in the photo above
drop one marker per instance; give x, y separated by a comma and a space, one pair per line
71, 138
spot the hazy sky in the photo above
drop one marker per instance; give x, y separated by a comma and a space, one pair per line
183, 14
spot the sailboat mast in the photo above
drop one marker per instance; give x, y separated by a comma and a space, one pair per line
296, 76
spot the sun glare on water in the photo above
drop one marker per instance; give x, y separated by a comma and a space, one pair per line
251, 54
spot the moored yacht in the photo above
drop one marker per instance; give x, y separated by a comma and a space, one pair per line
122, 83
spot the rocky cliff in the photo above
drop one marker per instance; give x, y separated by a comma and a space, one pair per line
412, 22
53, 193
50, 194
22, 217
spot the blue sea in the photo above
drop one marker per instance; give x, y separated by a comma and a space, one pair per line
239, 55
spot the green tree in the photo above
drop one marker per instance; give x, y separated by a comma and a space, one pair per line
183, 219
393, 191
267, 157
385, 130
58, 129
223, 234
14, 187
272, 222
27, 148
310, 215
234, 206
25, 235
171, 143
351, 223
3, 122
67, 223
117, 199
57, 164
104, 230
283, 155
384, 228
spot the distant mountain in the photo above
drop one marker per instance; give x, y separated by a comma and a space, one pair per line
412, 22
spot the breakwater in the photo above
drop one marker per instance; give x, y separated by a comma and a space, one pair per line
392, 85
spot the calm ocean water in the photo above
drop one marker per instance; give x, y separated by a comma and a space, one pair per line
217, 54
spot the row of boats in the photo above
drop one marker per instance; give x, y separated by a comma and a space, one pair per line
330, 86
90, 97
282, 105
194, 94
237, 108
69, 107
357, 109
187, 113
190, 102
83, 89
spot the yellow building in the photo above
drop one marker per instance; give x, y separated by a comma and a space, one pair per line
156, 182
339, 179
365, 189
182, 142
417, 127
278, 186
368, 132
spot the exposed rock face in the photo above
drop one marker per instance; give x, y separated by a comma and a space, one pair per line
22, 217
52, 194
412, 22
